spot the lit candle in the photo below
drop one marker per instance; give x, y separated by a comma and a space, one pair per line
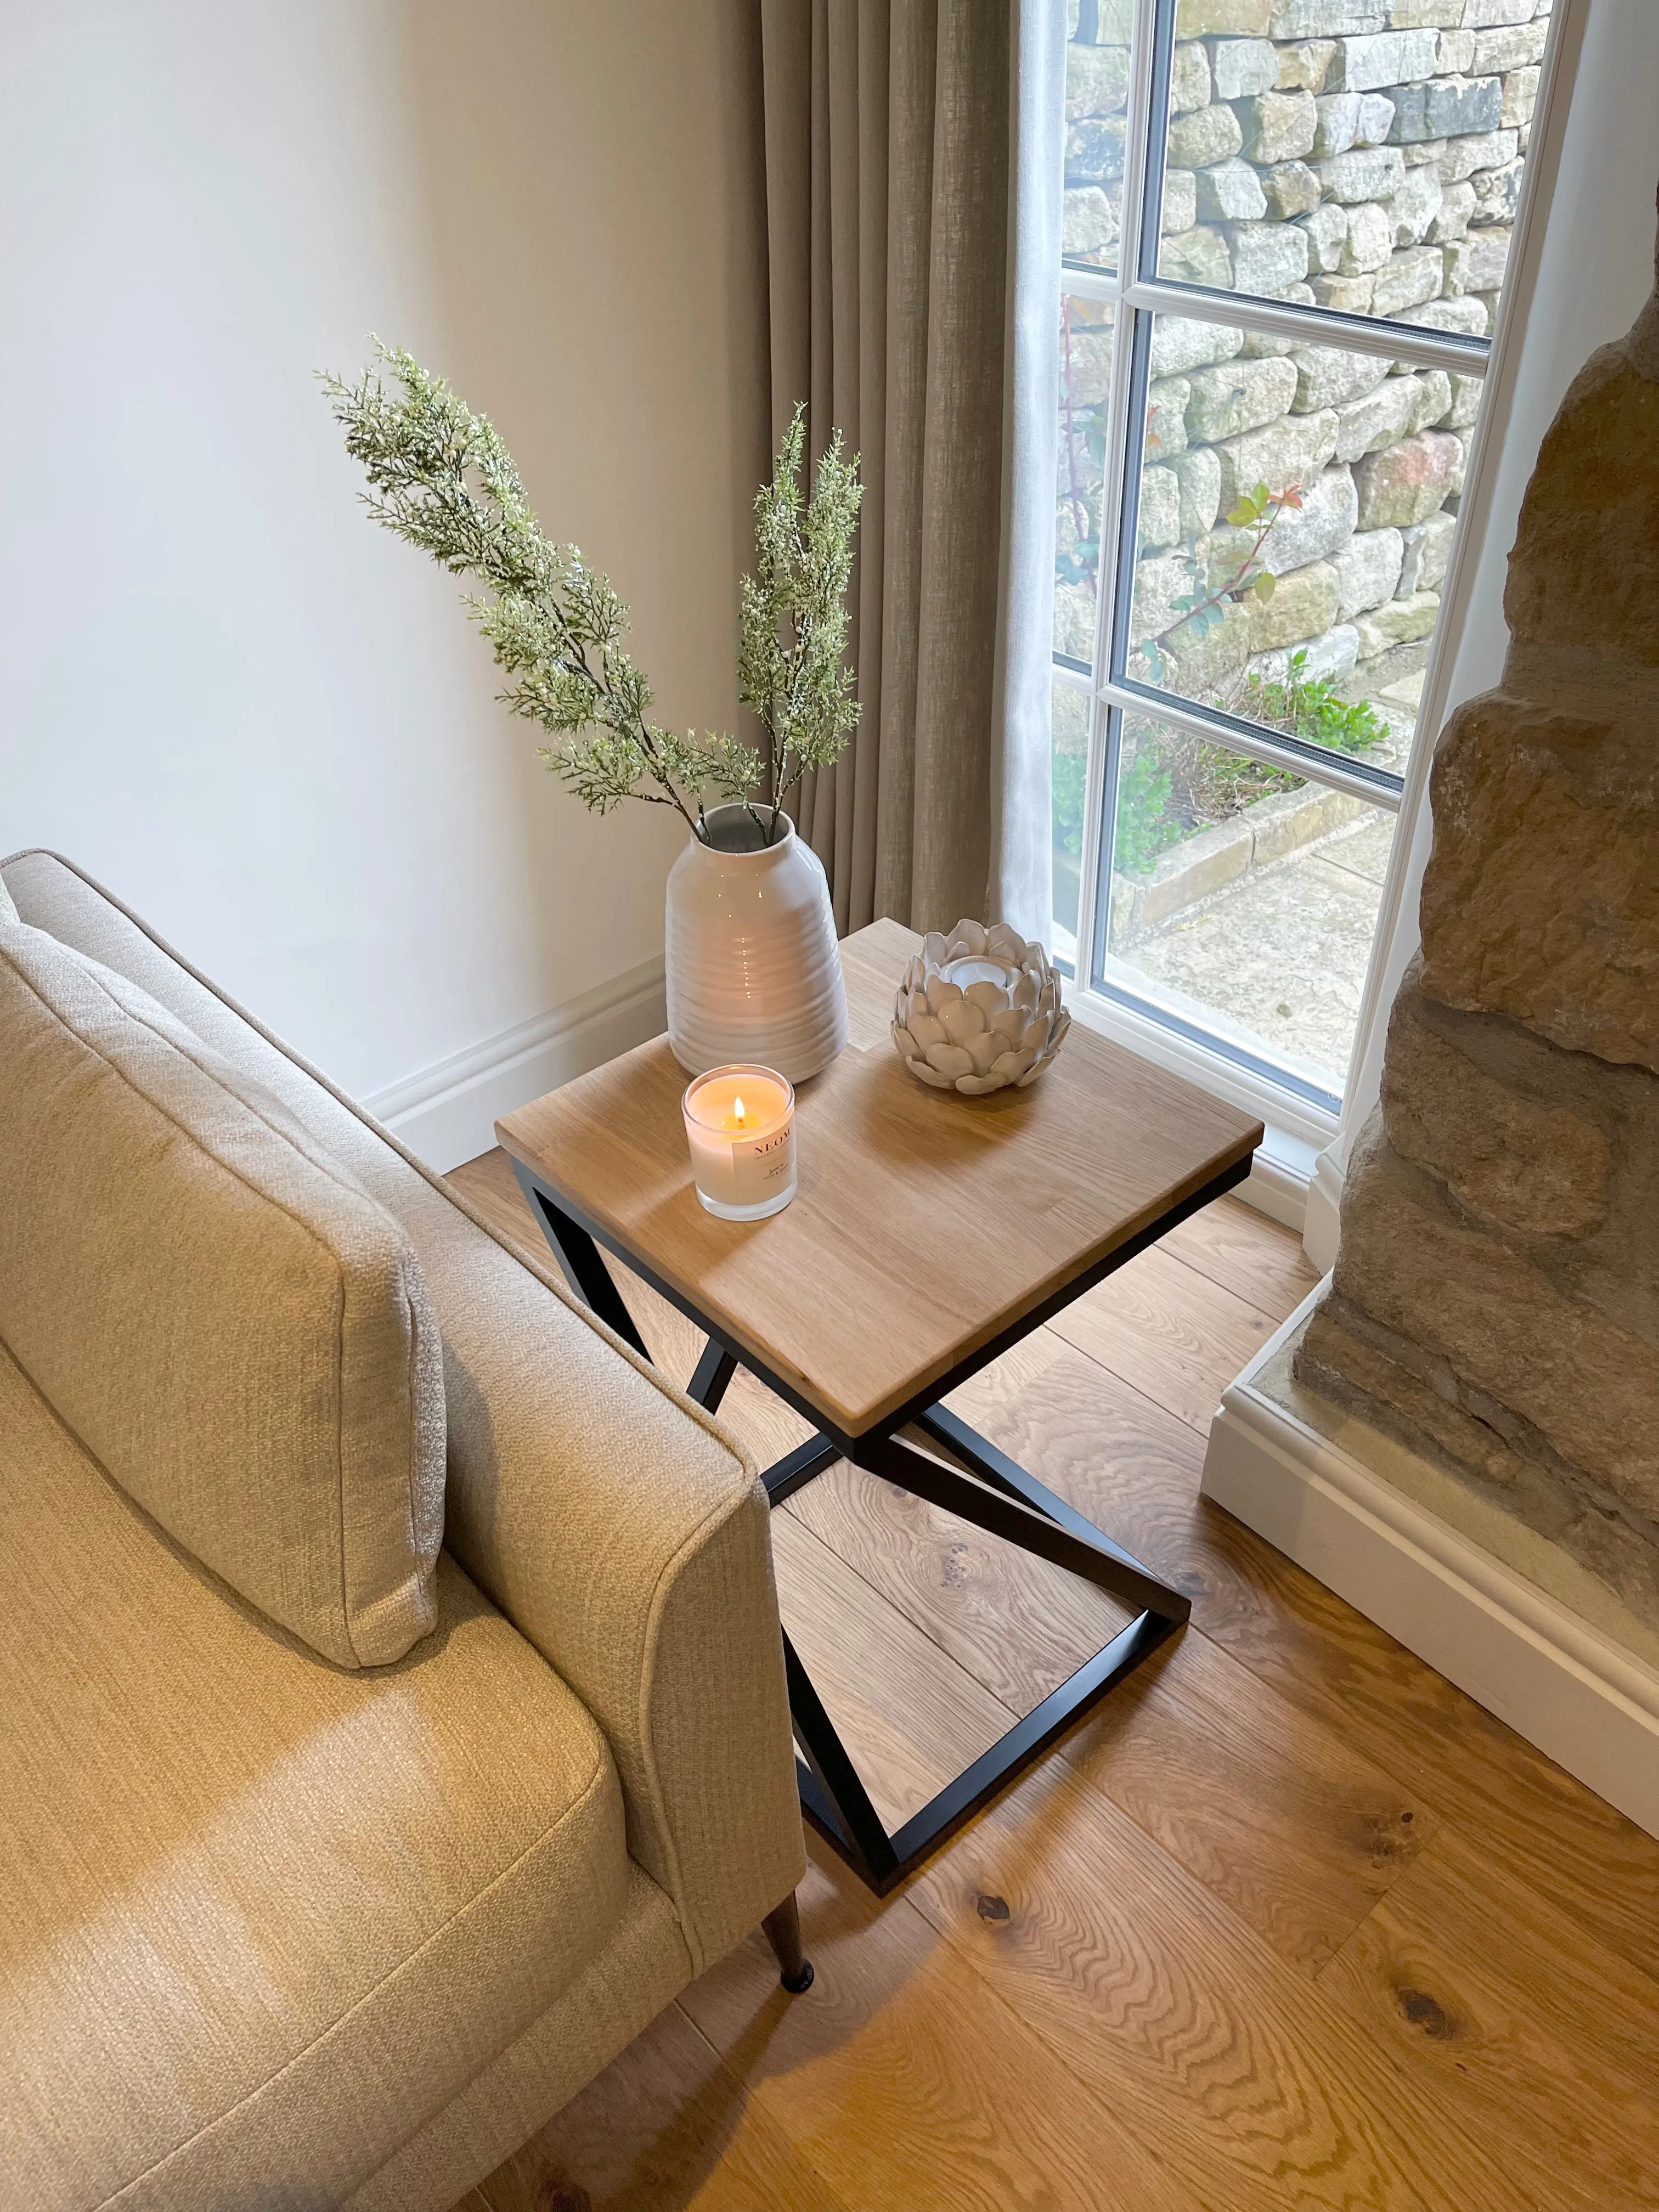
741, 1124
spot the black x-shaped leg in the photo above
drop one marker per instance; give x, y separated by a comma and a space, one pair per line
985, 1488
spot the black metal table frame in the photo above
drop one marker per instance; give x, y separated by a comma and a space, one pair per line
993, 1492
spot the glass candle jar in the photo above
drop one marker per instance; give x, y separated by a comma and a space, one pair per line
740, 1125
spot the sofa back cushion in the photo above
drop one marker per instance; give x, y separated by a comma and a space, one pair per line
236, 1330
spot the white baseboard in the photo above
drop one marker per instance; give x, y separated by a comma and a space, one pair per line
1279, 1178
1582, 1699
1322, 1225
448, 1113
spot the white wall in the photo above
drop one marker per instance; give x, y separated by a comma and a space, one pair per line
1594, 271
266, 724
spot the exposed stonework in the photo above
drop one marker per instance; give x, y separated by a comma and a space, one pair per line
1362, 154
1511, 1328
1347, 1357
1495, 1303
1509, 1150
1541, 898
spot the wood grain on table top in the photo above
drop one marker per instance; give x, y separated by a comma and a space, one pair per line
925, 1223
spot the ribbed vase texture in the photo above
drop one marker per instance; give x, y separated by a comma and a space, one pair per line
754, 972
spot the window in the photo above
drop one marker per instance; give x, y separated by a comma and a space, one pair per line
1284, 234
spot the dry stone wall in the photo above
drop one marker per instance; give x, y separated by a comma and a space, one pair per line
1360, 154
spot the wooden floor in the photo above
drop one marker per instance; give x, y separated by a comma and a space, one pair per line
1288, 1921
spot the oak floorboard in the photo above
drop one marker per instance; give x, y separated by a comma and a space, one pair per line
1134, 1470
913, 2088
1283, 1819
666, 2128
1469, 1978
911, 1718
1168, 1330
1017, 1624
1276, 1814
1190, 2027
1259, 1261
1123, 2013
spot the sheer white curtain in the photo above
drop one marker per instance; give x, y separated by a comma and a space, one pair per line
1021, 847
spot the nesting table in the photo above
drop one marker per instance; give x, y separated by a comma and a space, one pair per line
929, 1233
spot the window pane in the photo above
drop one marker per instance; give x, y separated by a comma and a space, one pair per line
1085, 383
1377, 173
1096, 93
1296, 509
1244, 899
1071, 772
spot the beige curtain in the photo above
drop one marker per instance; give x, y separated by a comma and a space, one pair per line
892, 136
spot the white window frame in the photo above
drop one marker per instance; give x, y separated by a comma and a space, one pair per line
1298, 1126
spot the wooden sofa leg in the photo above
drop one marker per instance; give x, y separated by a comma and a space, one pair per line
783, 1933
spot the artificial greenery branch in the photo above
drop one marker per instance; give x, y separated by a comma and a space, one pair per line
442, 479
791, 635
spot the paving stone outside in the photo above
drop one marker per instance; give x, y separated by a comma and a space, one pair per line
1281, 953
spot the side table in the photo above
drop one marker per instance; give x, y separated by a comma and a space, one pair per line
930, 1232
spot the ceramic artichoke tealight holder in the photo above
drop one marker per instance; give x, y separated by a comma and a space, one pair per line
979, 1009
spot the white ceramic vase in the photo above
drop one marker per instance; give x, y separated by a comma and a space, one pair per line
754, 972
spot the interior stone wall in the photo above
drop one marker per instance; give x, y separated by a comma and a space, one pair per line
1495, 1302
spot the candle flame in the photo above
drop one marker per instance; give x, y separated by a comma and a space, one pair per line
737, 1108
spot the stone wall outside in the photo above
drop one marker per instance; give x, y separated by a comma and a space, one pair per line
1360, 154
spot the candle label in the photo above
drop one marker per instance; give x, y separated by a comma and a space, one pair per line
766, 1161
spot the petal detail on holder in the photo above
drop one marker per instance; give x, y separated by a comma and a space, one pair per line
1010, 1065
950, 1059
925, 1032
962, 1021
941, 994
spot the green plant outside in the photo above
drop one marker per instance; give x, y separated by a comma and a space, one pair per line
1071, 772
1171, 786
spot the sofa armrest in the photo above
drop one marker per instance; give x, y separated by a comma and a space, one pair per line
624, 1535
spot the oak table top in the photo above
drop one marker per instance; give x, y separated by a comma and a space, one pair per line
924, 1225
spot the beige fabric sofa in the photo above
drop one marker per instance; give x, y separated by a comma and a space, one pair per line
279, 1932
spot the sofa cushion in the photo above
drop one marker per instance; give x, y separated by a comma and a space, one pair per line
231, 1324
264, 1918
